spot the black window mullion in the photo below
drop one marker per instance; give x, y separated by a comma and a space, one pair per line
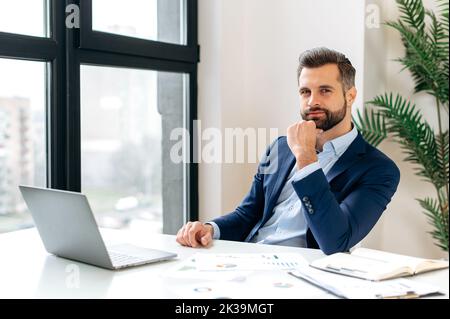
121, 60
192, 26
56, 163
64, 117
20, 46
192, 167
192, 41
73, 117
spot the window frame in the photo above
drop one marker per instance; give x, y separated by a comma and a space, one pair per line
102, 41
65, 50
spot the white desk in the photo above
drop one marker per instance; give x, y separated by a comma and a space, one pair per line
28, 271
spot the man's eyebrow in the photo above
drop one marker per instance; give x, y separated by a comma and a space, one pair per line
324, 86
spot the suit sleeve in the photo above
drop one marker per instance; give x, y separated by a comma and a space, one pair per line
339, 226
238, 224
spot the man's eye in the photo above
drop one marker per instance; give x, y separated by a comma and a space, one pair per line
304, 92
325, 91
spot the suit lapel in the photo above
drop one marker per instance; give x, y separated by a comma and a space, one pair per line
286, 162
350, 156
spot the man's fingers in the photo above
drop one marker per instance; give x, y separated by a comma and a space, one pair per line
192, 234
180, 239
206, 239
186, 234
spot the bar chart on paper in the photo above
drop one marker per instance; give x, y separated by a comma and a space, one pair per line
256, 261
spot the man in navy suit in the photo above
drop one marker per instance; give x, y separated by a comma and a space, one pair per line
322, 186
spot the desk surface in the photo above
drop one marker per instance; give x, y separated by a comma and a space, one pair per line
28, 271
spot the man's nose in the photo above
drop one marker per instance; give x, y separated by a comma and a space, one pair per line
314, 100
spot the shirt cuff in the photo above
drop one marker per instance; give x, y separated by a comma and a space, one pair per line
305, 171
216, 228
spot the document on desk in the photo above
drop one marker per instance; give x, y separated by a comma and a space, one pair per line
248, 261
354, 288
258, 285
188, 269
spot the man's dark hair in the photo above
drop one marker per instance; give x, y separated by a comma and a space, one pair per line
318, 57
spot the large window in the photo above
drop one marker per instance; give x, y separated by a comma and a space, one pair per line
91, 110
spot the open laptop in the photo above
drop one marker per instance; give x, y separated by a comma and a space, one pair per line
68, 229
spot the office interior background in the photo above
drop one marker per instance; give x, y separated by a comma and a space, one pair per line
131, 95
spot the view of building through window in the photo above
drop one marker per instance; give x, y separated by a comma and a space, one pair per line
22, 137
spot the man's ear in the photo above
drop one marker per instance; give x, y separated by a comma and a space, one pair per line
350, 95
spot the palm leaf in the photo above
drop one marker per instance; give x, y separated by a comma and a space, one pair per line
372, 126
417, 59
438, 219
444, 10
413, 13
426, 49
438, 37
414, 135
442, 160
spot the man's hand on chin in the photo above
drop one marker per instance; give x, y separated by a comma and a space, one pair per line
302, 138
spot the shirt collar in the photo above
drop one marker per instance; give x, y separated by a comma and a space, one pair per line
340, 144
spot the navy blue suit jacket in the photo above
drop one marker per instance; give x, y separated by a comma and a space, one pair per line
343, 205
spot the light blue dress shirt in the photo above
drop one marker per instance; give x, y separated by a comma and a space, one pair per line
288, 225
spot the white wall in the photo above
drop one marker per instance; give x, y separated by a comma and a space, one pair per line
247, 78
403, 227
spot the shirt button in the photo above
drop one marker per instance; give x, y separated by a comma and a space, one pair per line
311, 211
305, 199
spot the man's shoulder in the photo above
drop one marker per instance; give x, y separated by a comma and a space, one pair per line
279, 143
377, 159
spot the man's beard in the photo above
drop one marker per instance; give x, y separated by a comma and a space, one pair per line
331, 118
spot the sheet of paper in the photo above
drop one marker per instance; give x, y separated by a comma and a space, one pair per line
259, 285
188, 270
248, 262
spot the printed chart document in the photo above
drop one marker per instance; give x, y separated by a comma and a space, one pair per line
376, 265
354, 288
266, 284
188, 269
248, 261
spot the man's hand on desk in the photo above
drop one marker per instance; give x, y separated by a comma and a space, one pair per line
195, 234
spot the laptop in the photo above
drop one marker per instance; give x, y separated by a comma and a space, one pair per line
68, 229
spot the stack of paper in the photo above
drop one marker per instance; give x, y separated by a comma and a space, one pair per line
348, 287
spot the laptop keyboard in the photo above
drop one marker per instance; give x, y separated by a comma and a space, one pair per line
119, 259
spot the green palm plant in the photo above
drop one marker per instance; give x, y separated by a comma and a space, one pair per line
426, 40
